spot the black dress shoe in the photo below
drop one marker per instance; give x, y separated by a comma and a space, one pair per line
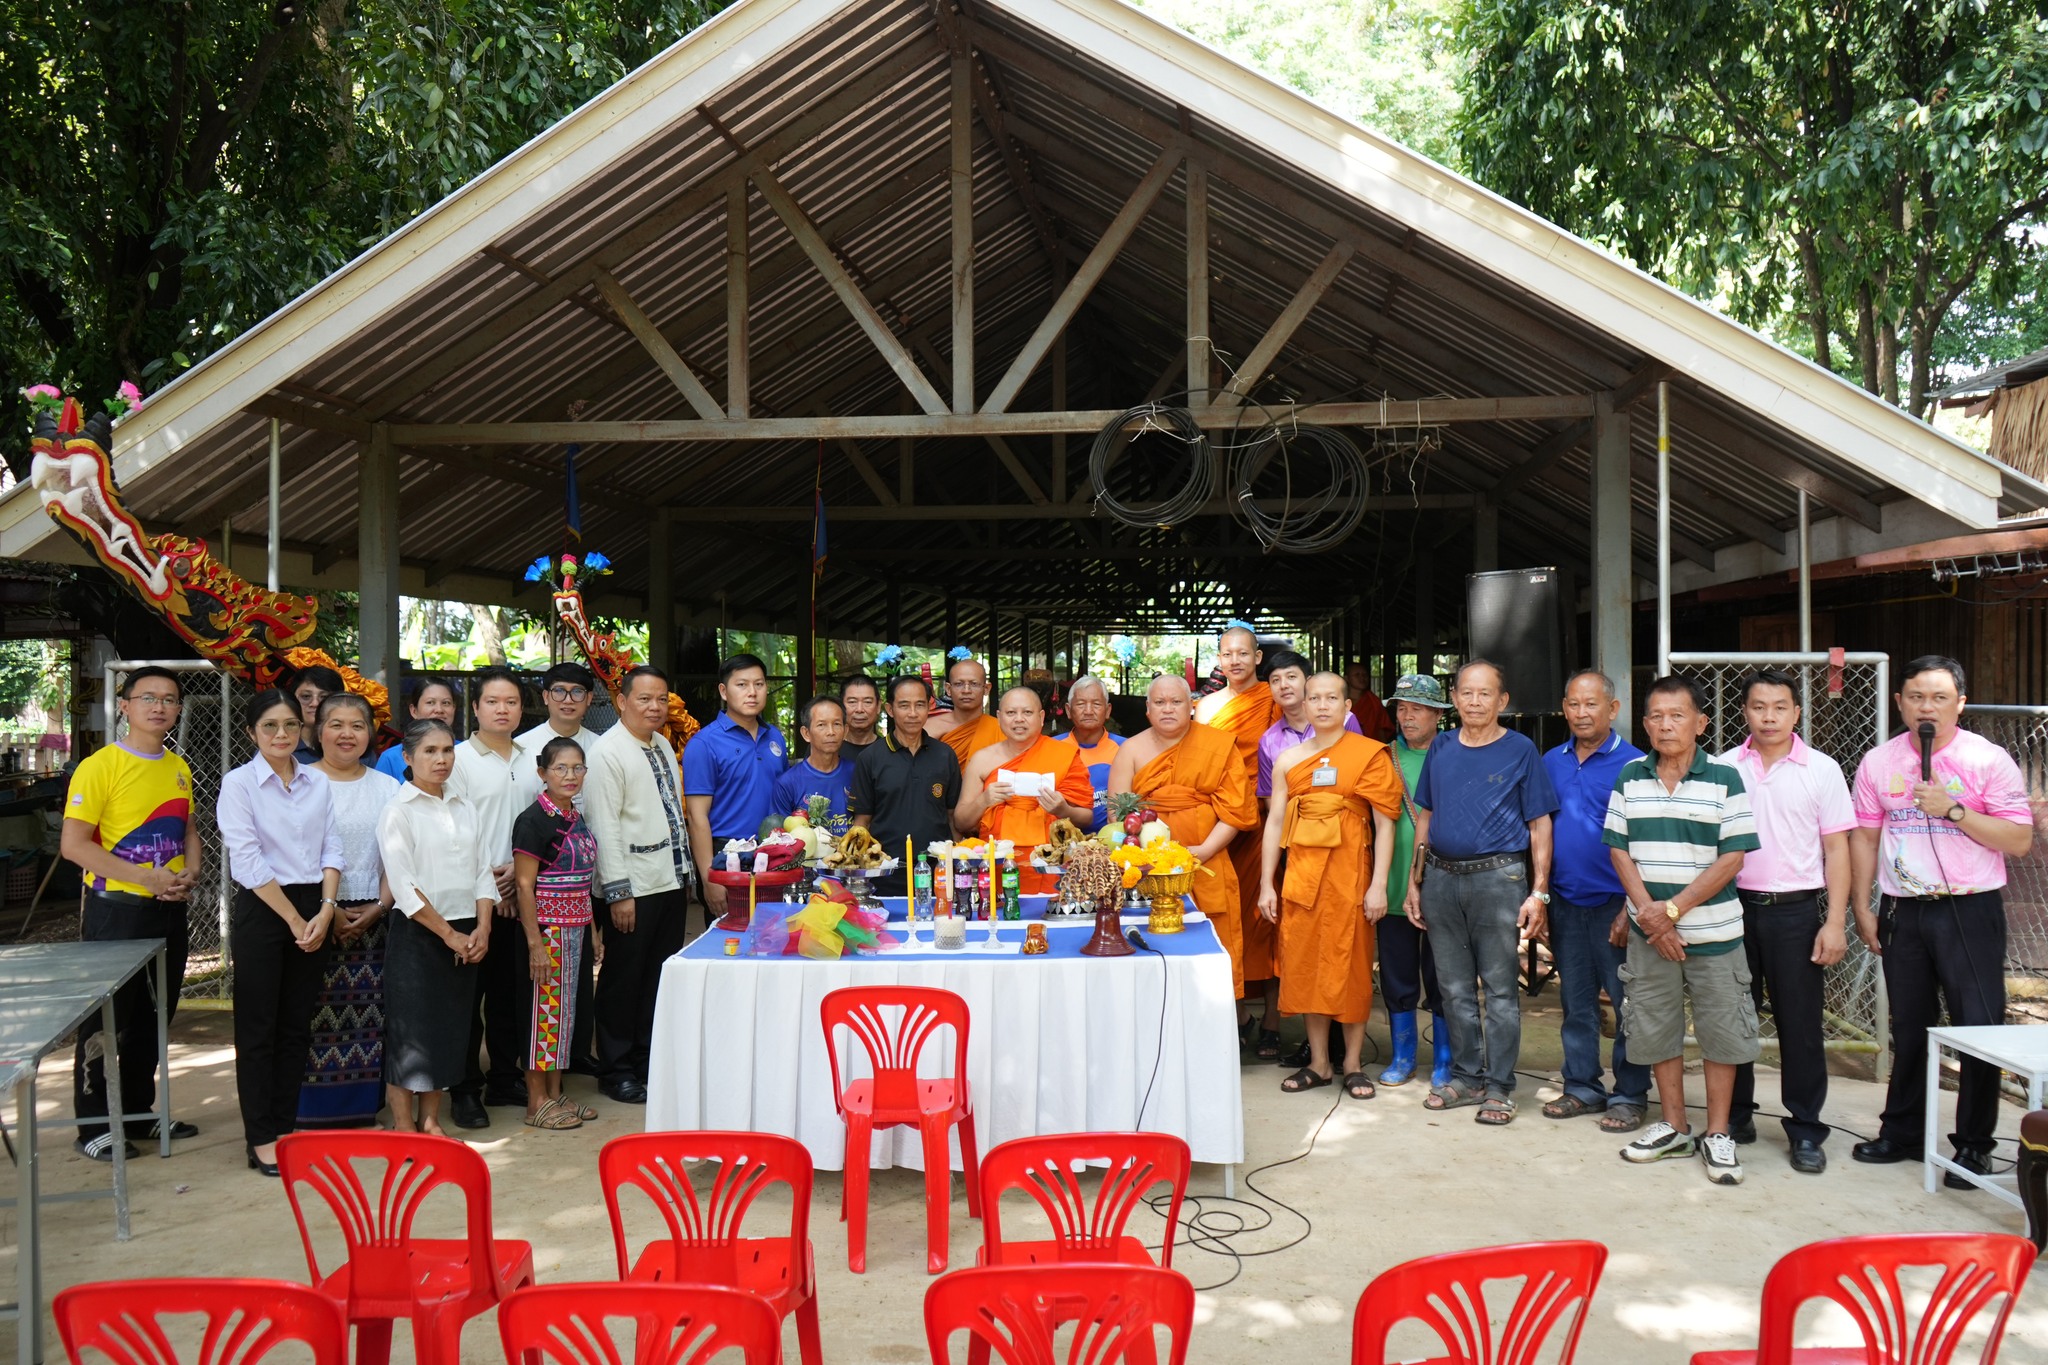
259, 1166
1296, 1059
1883, 1152
625, 1092
1808, 1158
1744, 1132
513, 1095
1977, 1162
468, 1111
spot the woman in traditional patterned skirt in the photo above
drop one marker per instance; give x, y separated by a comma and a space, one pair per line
554, 858
345, 1070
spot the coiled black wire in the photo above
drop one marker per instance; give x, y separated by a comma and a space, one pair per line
1322, 503
1175, 424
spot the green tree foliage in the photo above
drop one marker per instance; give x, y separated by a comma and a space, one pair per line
1388, 64
1845, 172
170, 173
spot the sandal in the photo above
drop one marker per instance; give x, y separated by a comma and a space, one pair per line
555, 1116
1268, 1047
583, 1111
1570, 1107
1452, 1096
1305, 1079
1359, 1086
1621, 1118
1496, 1111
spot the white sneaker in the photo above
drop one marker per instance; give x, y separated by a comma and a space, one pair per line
1717, 1152
1659, 1140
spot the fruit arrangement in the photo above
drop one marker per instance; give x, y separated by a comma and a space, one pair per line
807, 826
1130, 821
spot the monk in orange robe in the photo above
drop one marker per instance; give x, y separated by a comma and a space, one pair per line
1190, 776
1336, 796
1245, 710
990, 803
967, 729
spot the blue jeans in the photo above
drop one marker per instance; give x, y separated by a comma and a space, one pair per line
1586, 964
1472, 932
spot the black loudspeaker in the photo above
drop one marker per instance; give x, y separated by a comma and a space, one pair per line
1511, 617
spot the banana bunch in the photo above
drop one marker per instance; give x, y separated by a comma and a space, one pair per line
857, 849
1063, 835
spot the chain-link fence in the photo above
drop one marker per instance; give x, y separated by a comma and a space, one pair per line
2023, 731
1844, 713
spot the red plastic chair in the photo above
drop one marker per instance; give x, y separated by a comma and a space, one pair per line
704, 1245
438, 1283
672, 1324
245, 1321
892, 1024
1082, 1229
1447, 1294
1011, 1313
1861, 1274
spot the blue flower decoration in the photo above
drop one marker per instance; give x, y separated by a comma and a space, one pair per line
1234, 624
1124, 647
594, 562
959, 652
538, 570
888, 656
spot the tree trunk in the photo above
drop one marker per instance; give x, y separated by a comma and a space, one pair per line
490, 632
1817, 302
1866, 337
1888, 361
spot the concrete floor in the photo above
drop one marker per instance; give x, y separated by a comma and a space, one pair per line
1385, 1181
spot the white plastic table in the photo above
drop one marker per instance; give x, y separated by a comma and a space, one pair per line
46, 991
2021, 1049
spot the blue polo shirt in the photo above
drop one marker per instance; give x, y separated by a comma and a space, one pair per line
737, 771
1482, 799
392, 761
795, 788
1580, 869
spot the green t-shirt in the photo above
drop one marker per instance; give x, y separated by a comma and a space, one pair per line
1410, 762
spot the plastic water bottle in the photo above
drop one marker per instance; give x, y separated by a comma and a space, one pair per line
921, 890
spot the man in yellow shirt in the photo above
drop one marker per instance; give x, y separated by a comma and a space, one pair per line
128, 827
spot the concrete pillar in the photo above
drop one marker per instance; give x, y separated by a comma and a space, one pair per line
377, 557
661, 594
1613, 587
1485, 537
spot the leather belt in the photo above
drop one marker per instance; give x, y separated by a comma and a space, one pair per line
1459, 867
1777, 897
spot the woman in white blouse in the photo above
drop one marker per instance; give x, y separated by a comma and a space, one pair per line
440, 880
276, 819
344, 1085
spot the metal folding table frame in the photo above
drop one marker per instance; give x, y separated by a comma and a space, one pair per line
46, 991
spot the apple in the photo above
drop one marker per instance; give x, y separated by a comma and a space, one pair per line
796, 822
1133, 823
1147, 814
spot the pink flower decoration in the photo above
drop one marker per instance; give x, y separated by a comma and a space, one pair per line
35, 391
132, 394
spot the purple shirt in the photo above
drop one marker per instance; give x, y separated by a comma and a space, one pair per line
275, 833
1280, 737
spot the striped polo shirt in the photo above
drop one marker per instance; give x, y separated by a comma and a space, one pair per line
1674, 835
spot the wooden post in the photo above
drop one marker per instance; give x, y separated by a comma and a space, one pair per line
963, 233
377, 556
952, 622
1613, 538
995, 643
736, 316
1198, 285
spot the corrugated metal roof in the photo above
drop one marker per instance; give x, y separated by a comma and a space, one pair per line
492, 315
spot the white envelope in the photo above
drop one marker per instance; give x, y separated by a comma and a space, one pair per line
1024, 784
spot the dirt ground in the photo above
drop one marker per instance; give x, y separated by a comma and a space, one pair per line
1362, 1185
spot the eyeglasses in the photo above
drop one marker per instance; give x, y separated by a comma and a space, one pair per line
563, 692
157, 699
559, 771
279, 727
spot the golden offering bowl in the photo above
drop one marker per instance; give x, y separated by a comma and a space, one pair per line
1165, 893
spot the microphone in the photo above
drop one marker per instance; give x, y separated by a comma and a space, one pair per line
1926, 732
1138, 941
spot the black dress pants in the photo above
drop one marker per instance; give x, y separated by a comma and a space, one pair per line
1778, 939
277, 986
1407, 967
500, 1025
1948, 952
631, 978
123, 916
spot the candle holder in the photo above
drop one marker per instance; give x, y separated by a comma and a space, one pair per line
1109, 940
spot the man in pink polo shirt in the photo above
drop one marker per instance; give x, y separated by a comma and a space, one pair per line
1795, 904
1936, 850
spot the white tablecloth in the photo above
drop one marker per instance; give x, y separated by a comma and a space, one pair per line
1056, 1045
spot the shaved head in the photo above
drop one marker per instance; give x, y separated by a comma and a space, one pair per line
1021, 714
1168, 685
1019, 696
1169, 705
1241, 633
1237, 654
978, 670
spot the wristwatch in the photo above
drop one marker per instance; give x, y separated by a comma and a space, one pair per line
1543, 896
1954, 815
1673, 911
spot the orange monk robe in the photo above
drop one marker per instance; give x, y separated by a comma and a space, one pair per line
1245, 718
1026, 823
1325, 943
1195, 786
968, 740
